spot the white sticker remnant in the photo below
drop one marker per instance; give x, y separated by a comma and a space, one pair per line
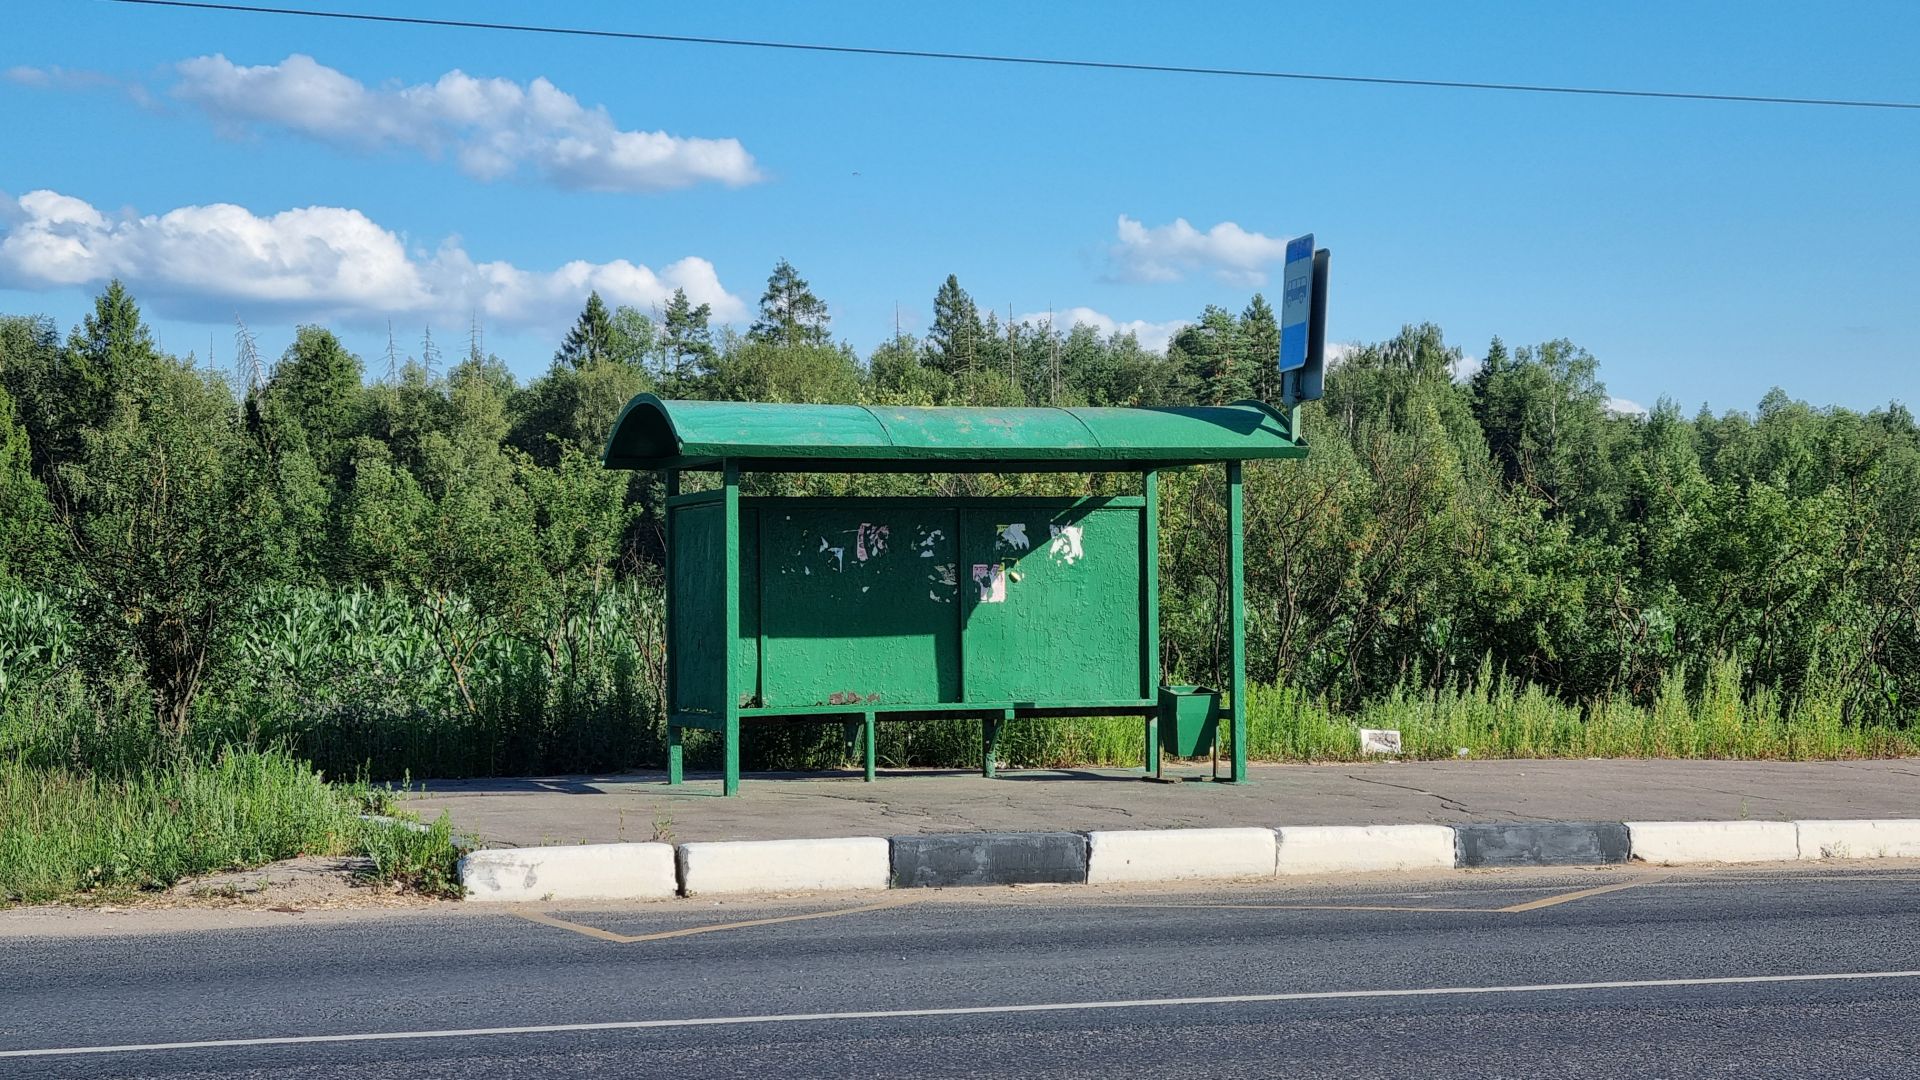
839, 554
1379, 741
992, 579
1015, 536
943, 574
927, 542
1066, 544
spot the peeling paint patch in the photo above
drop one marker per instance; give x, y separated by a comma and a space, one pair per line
1015, 536
928, 541
992, 580
1066, 544
943, 574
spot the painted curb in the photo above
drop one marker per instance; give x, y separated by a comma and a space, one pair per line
654, 871
1337, 849
1179, 854
1871, 838
761, 866
1543, 843
581, 872
1680, 843
947, 859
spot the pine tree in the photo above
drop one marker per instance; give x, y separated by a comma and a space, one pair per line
687, 345
790, 314
1260, 348
1211, 356
429, 354
589, 340
953, 344
249, 374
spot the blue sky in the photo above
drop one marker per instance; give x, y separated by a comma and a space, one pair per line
1704, 252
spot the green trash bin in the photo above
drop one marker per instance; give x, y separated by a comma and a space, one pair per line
1189, 719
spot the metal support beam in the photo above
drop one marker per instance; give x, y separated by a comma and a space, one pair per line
1237, 620
1150, 609
730, 501
872, 752
674, 766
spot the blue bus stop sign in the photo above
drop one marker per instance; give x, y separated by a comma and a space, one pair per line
1296, 303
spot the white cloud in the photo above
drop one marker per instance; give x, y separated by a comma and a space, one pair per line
1153, 336
55, 77
492, 128
1620, 406
313, 262
1465, 368
1171, 252
1337, 353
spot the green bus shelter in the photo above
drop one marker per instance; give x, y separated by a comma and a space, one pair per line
855, 610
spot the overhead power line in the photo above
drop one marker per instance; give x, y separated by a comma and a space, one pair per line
1032, 61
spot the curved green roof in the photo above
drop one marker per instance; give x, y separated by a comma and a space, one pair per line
656, 434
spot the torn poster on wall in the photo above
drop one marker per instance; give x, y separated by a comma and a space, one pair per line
1066, 544
992, 580
869, 541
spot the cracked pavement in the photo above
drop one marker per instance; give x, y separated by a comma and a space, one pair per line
639, 806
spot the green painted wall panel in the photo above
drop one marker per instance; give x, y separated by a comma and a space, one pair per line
697, 635
698, 631
876, 601
746, 659
859, 603
1052, 601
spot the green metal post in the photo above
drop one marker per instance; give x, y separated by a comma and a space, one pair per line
1237, 620
730, 778
1150, 608
872, 752
675, 773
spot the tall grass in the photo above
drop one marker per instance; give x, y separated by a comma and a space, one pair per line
64, 832
350, 680
1489, 717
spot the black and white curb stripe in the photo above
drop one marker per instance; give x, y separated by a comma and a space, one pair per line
656, 870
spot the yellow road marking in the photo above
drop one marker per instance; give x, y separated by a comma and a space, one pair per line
590, 931
1563, 898
1300, 907
1528, 905
545, 919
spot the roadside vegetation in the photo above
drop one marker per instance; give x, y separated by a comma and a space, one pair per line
414, 564
65, 833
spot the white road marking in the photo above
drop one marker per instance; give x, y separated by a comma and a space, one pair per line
971, 1010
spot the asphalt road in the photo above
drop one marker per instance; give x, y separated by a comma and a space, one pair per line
1484, 975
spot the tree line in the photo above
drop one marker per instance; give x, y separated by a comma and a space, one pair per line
1442, 528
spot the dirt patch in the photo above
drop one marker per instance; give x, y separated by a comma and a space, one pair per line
307, 883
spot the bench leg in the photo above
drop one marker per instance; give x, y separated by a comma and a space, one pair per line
730, 773
990, 742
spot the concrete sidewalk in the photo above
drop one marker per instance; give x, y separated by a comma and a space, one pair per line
640, 807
